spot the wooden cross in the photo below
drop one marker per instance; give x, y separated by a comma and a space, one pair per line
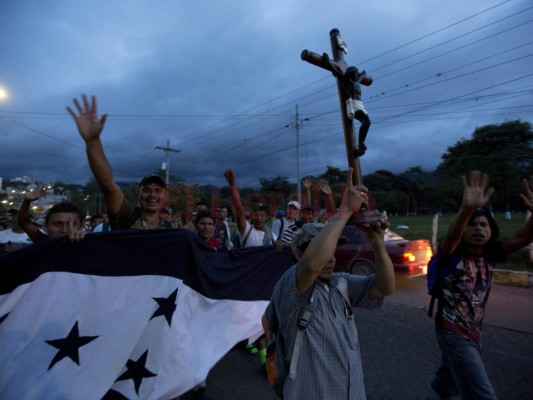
336, 66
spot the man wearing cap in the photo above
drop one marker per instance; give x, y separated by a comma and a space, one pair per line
283, 228
152, 190
255, 233
329, 361
467, 255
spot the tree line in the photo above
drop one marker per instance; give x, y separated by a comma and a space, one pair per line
503, 151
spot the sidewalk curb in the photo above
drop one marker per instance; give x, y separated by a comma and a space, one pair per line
512, 278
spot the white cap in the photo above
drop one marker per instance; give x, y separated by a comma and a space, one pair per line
295, 204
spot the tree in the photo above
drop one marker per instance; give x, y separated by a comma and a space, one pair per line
504, 151
279, 184
417, 185
334, 175
383, 194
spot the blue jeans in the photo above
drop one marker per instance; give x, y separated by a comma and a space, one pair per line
461, 371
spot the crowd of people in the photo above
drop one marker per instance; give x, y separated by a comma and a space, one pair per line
330, 365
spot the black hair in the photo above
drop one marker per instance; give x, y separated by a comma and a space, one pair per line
203, 214
95, 217
64, 207
487, 213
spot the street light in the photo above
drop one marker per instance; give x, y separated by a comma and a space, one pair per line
3, 93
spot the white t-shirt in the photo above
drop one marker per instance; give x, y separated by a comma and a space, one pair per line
8, 235
255, 238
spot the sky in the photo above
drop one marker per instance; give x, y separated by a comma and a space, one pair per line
221, 81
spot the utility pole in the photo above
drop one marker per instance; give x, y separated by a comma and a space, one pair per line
167, 150
298, 181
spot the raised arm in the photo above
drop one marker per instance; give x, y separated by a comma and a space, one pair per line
307, 185
90, 128
524, 235
330, 205
24, 219
385, 282
476, 194
236, 200
322, 247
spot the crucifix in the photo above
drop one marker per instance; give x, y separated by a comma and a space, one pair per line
349, 80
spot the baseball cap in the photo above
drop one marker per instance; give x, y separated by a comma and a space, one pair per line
305, 234
295, 204
153, 179
308, 207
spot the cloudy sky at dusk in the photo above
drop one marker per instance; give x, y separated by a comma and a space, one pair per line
221, 80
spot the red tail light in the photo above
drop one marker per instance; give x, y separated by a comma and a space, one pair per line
409, 257
418, 252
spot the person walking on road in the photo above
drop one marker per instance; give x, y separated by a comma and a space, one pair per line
329, 365
467, 255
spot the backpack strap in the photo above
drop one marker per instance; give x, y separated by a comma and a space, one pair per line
281, 226
436, 291
303, 322
243, 244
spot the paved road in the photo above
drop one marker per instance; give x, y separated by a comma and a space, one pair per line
400, 353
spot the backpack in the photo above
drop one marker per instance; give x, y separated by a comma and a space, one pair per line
280, 365
436, 273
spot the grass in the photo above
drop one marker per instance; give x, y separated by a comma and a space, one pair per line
420, 227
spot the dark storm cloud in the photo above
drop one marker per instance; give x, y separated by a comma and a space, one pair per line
220, 81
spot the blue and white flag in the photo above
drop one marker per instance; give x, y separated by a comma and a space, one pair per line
131, 314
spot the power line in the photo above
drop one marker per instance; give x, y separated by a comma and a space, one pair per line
432, 33
455, 38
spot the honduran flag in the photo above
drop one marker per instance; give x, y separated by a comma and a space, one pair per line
131, 314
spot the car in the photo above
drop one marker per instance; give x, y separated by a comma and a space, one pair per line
354, 253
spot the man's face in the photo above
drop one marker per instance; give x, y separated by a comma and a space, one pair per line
306, 216
205, 228
59, 224
258, 219
292, 212
152, 197
477, 232
327, 270
222, 213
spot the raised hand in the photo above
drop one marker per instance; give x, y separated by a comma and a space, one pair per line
33, 195
324, 186
476, 192
230, 177
354, 196
527, 196
307, 182
375, 231
87, 121
73, 234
